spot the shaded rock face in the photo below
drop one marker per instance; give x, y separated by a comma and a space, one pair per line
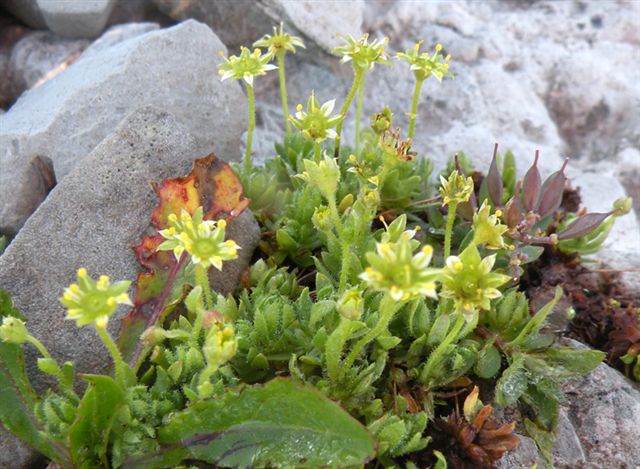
66, 117
76, 19
92, 218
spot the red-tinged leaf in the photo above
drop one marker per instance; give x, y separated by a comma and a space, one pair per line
514, 212
494, 180
212, 184
583, 225
531, 186
552, 191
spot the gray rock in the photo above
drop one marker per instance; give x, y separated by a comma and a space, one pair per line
117, 34
76, 19
40, 56
91, 219
604, 409
567, 450
242, 23
65, 118
524, 456
25, 10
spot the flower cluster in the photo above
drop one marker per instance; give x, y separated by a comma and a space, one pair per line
89, 301
324, 175
456, 188
424, 65
279, 41
202, 239
468, 280
362, 54
247, 66
393, 268
316, 123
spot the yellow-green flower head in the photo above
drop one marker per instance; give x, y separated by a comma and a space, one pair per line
13, 330
623, 205
247, 66
363, 54
324, 175
424, 65
468, 280
316, 123
393, 268
279, 41
487, 228
89, 301
456, 188
322, 219
202, 239
351, 304
220, 346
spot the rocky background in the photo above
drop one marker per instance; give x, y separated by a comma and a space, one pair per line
98, 98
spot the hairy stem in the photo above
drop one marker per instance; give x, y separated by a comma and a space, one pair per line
252, 124
359, 114
414, 108
202, 279
437, 354
344, 270
451, 216
357, 77
387, 308
283, 90
334, 348
115, 353
317, 149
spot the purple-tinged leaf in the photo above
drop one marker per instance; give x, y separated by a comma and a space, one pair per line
583, 225
514, 211
494, 180
531, 186
552, 191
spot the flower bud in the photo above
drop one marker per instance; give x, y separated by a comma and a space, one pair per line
321, 218
351, 304
153, 336
220, 346
13, 330
623, 205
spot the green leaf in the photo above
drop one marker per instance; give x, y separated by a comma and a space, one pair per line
279, 424
543, 438
3, 243
537, 320
512, 383
573, 360
489, 362
89, 434
17, 398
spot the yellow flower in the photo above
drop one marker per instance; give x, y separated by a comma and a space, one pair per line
202, 239
220, 346
363, 54
89, 301
316, 123
279, 41
393, 268
424, 65
456, 188
351, 304
247, 66
468, 280
487, 228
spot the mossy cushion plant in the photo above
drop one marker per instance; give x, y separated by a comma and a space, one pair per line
381, 300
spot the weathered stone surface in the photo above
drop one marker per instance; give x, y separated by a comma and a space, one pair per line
524, 456
567, 450
65, 118
25, 10
91, 219
604, 409
241, 23
40, 56
76, 19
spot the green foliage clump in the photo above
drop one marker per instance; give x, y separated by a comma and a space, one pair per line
377, 294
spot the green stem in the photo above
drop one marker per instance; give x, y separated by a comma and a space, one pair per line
317, 149
202, 279
359, 114
344, 269
333, 208
387, 308
283, 90
252, 124
345, 107
115, 353
39, 345
437, 354
414, 108
451, 216
334, 348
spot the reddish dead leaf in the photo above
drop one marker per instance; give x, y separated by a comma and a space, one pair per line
212, 184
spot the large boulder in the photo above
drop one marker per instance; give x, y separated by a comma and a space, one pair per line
92, 218
66, 117
242, 23
76, 19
